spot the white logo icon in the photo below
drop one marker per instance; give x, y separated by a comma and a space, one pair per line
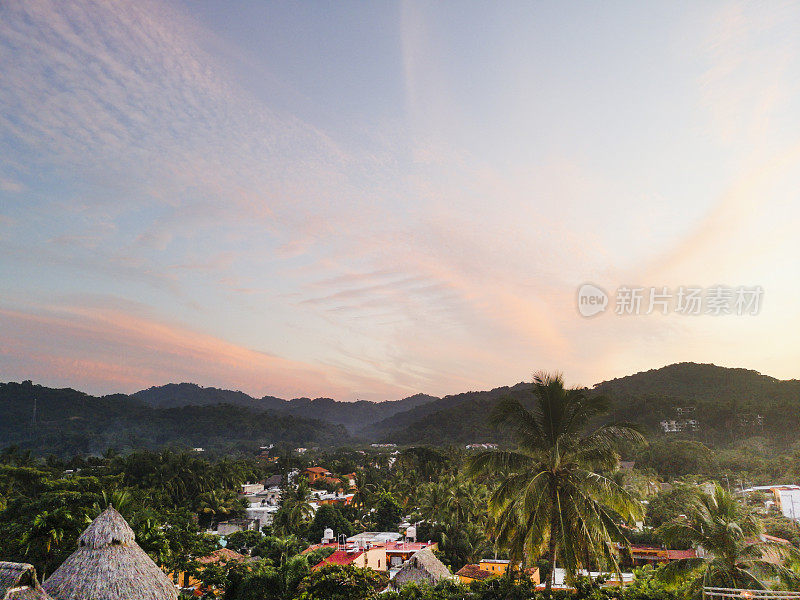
592, 300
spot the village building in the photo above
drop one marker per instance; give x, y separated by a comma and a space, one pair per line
315, 473
423, 568
495, 566
18, 581
109, 565
251, 488
369, 538
369, 558
491, 567
653, 555
469, 573
261, 512
398, 552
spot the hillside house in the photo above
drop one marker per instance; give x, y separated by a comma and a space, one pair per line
315, 473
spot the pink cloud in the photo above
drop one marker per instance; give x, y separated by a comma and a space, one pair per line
105, 350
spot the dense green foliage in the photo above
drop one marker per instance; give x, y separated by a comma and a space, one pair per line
735, 556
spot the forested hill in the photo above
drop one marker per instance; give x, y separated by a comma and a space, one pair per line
712, 404
353, 415
66, 421
693, 381
455, 418
726, 404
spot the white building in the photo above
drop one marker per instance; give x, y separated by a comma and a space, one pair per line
263, 513
789, 502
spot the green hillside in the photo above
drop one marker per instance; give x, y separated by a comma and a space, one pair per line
727, 404
353, 415
66, 421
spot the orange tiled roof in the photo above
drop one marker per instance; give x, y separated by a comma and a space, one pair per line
317, 470
474, 572
223, 554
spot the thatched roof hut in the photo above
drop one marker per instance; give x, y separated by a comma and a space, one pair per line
109, 565
18, 582
422, 567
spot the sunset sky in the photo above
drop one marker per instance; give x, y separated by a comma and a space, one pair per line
374, 199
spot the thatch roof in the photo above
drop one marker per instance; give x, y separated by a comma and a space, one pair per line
18, 582
109, 565
422, 567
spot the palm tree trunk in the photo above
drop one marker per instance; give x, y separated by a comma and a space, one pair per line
551, 548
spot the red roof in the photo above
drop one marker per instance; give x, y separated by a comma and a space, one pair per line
474, 572
405, 546
317, 470
340, 557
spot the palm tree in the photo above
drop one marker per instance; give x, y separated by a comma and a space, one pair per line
217, 505
551, 497
294, 511
734, 555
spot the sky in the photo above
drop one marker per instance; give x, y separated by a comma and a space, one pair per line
367, 200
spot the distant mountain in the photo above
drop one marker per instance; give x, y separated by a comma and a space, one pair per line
728, 404
353, 415
455, 418
725, 404
714, 404
66, 421
174, 395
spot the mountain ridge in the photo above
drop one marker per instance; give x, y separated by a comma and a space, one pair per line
352, 415
729, 404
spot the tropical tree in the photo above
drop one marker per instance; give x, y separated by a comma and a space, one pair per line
552, 497
295, 511
734, 556
387, 513
217, 505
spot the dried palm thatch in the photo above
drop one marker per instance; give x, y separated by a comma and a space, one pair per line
422, 567
109, 565
18, 582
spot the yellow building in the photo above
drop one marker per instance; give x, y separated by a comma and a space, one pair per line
487, 568
469, 573
494, 566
